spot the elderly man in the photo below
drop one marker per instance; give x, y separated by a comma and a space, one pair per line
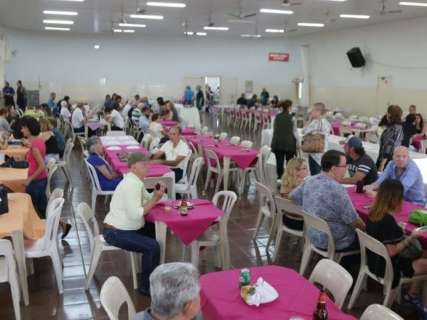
175, 153
322, 196
360, 166
407, 172
174, 293
124, 225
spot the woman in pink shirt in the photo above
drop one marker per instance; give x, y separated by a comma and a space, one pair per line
36, 182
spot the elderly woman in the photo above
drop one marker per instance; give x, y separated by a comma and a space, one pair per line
108, 179
317, 125
52, 149
178, 281
171, 112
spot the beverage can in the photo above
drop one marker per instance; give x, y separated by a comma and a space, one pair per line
245, 277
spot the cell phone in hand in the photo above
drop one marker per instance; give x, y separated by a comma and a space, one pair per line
158, 186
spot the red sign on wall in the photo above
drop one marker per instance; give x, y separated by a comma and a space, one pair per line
277, 56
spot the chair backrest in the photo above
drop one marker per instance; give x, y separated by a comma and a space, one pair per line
333, 278
263, 155
205, 130
235, 140
55, 194
228, 199
193, 148
195, 171
319, 224
223, 135
169, 181
6, 251
377, 311
246, 144
154, 143
369, 243
51, 169
146, 140
113, 294
288, 206
69, 145
93, 177
212, 159
85, 213
53, 215
115, 133
265, 199
186, 163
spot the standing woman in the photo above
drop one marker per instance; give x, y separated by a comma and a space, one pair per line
317, 125
8, 93
21, 96
37, 174
391, 137
284, 143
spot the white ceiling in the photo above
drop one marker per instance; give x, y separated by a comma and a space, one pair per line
99, 16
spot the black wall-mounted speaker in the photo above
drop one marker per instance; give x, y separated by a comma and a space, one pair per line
356, 57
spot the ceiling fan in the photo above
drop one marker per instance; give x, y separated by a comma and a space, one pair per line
383, 9
240, 16
290, 3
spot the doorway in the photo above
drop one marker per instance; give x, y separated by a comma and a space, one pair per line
213, 90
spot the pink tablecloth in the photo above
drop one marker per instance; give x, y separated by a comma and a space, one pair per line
416, 141
168, 123
362, 202
243, 158
189, 132
190, 227
94, 125
336, 127
220, 296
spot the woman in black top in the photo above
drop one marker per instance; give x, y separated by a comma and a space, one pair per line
52, 149
382, 226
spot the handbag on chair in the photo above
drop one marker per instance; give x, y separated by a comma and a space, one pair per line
313, 143
4, 203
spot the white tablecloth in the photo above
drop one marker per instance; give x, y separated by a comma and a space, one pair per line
190, 117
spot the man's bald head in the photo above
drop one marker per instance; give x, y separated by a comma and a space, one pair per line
401, 156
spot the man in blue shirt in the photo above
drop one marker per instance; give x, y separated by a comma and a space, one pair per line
188, 96
51, 102
144, 122
405, 170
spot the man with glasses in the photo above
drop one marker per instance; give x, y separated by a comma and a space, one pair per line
323, 196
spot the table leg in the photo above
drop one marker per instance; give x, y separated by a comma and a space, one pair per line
226, 164
18, 245
161, 239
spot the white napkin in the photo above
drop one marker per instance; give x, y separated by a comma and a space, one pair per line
264, 293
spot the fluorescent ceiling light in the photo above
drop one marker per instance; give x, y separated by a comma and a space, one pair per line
57, 28
189, 33
146, 16
61, 13
96, 46
413, 4
275, 30
117, 30
337, 0
128, 31
67, 22
72, 0
216, 28
250, 35
354, 16
276, 11
132, 25
310, 24
166, 4
201, 34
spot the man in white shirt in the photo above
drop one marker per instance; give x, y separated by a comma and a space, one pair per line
175, 153
124, 225
78, 119
114, 118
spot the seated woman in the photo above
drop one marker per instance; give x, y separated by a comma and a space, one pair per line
171, 113
155, 128
382, 226
108, 179
52, 149
296, 172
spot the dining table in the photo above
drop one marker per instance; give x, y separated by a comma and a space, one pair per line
107, 141
362, 202
165, 215
18, 152
13, 178
297, 297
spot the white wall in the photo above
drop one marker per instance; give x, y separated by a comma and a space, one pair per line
397, 50
68, 64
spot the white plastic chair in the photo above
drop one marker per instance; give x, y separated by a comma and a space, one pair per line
223, 136
190, 186
319, 224
214, 166
246, 144
267, 207
51, 169
146, 140
263, 155
369, 243
8, 273
168, 180
284, 206
333, 278
215, 238
65, 163
379, 312
113, 294
98, 245
235, 140
205, 130
96, 187
48, 245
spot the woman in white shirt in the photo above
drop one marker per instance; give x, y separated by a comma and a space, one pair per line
65, 112
155, 128
318, 125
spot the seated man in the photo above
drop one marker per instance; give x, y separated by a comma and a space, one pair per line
360, 166
405, 170
175, 152
124, 225
322, 196
177, 281
107, 177
114, 118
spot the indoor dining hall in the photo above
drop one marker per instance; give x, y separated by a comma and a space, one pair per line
213, 160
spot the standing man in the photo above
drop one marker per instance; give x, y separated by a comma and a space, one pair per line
8, 93
188, 96
21, 96
51, 102
125, 226
200, 98
265, 96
